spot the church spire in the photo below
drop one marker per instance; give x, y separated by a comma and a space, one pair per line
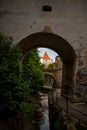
45, 56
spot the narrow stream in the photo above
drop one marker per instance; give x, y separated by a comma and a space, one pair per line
44, 122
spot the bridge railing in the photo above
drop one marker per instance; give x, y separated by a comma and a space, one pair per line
67, 101
73, 100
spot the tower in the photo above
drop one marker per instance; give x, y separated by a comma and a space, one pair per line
46, 60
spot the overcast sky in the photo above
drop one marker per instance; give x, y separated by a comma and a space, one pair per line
50, 53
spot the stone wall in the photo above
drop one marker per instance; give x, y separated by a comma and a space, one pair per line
20, 18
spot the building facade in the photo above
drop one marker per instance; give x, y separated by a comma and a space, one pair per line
46, 60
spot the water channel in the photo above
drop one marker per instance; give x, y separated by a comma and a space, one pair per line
44, 121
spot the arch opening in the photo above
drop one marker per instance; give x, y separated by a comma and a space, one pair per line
61, 47
50, 81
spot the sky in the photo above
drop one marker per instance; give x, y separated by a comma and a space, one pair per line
52, 54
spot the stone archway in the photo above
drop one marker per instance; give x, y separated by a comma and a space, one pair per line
50, 80
60, 46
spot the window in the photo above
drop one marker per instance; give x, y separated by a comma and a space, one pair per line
46, 8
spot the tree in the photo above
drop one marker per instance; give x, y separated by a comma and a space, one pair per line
12, 90
32, 71
15, 93
51, 66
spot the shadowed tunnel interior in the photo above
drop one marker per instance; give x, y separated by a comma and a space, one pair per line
60, 46
50, 80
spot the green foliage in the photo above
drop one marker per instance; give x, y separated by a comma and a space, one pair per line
15, 93
27, 110
68, 119
32, 71
51, 66
12, 90
58, 125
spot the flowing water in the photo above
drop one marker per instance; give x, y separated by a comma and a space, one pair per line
44, 121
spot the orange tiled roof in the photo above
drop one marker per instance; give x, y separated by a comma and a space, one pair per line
45, 56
